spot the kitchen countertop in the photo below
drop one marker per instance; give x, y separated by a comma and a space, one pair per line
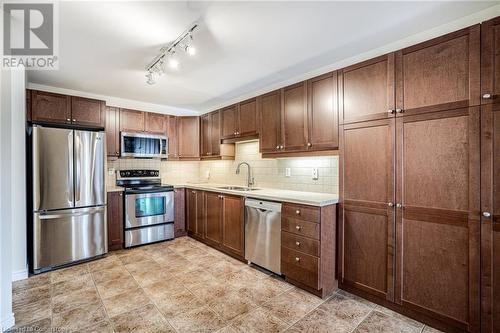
300, 197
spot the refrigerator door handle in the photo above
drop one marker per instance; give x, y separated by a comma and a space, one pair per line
71, 184
87, 211
78, 168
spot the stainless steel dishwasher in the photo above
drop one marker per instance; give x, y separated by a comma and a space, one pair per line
263, 234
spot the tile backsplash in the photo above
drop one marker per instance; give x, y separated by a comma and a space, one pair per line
267, 172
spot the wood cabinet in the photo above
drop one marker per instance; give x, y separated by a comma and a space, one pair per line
322, 113
132, 120
366, 228
308, 247
213, 218
440, 74
367, 90
155, 123
233, 226
210, 135
112, 131
239, 121
173, 138
88, 112
294, 117
115, 220
50, 108
490, 176
195, 214
269, 106
188, 133
179, 212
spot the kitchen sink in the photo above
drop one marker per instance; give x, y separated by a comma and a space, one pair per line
237, 188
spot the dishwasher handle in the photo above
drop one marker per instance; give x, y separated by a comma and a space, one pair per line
264, 205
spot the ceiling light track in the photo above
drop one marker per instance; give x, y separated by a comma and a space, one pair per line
156, 67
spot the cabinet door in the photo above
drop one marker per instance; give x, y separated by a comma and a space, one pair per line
438, 224
233, 227
173, 141
294, 117
155, 123
440, 74
213, 220
50, 108
367, 219
228, 119
322, 113
191, 211
189, 137
112, 131
490, 176
366, 90
247, 118
206, 137
269, 108
115, 220
215, 133
179, 212
131, 120
87, 112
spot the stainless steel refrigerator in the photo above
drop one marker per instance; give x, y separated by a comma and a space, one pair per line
69, 202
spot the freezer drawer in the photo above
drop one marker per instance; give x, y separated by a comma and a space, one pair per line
64, 236
150, 234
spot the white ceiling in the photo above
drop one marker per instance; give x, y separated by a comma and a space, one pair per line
242, 47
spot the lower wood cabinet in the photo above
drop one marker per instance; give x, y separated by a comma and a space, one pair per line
213, 218
115, 220
179, 212
195, 216
308, 247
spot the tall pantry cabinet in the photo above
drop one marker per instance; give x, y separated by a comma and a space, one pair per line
410, 180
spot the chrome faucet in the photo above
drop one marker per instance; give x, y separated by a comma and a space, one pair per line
250, 179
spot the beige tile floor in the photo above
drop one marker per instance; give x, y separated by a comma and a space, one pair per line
185, 286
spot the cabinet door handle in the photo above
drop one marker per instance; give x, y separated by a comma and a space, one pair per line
391, 111
390, 204
282, 147
74, 120
309, 144
297, 212
399, 110
68, 119
297, 227
121, 194
193, 191
297, 243
486, 96
398, 205
487, 214
297, 259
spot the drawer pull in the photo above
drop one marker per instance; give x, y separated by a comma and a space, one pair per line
297, 212
297, 243
297, 227
297, 259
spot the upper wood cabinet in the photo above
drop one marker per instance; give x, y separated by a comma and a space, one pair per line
50, 108
189, 137
322, 112
294, 117
173, 138
132, 120
239, 120
112, 131
88, 112
366, 90
367, 222
490, 176
269, 110
440, 74
156, 123
210, 135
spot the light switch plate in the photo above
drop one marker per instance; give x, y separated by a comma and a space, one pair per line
315, 173
288, 172
207, 174
111, 171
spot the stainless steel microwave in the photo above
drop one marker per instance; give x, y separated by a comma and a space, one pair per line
143, 145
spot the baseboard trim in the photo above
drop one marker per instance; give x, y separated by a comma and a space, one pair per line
20, 275
8, 322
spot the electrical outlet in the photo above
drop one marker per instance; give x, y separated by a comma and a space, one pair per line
207, 174
315, 173
288, 172
111, 171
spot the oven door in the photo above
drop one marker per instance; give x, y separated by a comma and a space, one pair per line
148, 209
143, 145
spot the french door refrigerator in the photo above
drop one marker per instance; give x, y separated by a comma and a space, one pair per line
69, 205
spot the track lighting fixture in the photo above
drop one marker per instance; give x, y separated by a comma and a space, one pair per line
167, 54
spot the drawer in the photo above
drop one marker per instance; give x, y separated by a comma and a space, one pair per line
308, 213
300, 267
301, 244
300, 227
